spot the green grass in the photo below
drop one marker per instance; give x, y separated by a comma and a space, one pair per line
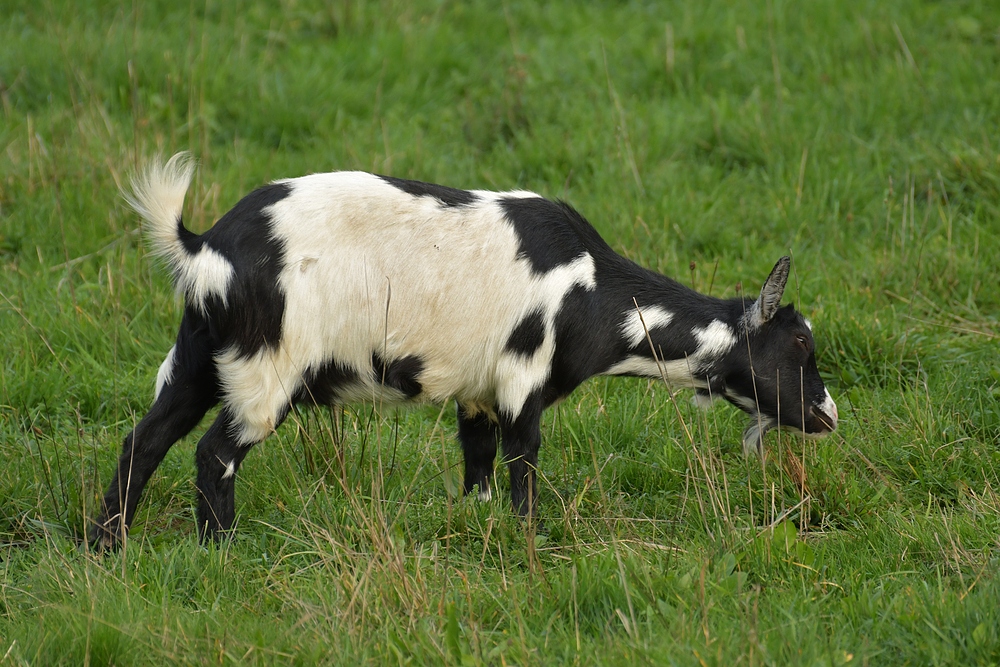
703, 139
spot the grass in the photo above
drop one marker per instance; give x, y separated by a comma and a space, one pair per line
703, 139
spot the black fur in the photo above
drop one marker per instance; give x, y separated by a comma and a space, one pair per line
521, 438
784, 372
191, 241
322, 384
218, 453
528, 335
447, 196
252, 316
547, 231
399, 374
182, 403
581, 351
479, 436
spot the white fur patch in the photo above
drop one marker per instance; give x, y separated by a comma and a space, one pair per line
678, 372
654, 317
829, 408
257, 389
166, 372
747, 403
485, 495
714, 340
705, 401
202, 275
158, 196
370, 268
754, 434
230, 470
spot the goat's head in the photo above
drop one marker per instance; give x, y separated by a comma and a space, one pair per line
771, 372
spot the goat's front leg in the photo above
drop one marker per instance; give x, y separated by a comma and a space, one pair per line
522, 436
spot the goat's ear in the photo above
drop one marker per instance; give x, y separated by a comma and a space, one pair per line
767, 304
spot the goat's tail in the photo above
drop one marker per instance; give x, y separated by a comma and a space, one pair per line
157, 194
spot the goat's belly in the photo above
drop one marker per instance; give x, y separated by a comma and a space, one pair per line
259, 389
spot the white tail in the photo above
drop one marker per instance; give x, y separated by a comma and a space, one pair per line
157, 194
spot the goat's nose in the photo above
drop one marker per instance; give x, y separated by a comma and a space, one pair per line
829, 408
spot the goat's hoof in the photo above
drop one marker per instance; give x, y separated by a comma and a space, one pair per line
103, 539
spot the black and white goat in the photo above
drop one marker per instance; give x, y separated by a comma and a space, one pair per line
349, 286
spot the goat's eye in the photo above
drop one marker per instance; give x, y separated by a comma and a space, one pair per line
802, 340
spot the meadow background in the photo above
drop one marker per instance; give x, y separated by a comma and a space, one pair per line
703, 139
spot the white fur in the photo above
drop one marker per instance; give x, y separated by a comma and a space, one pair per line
829, 408
754, 434
748, 404
158, 196
230, 470
705, 401
347, 293
166, 372
714, 340
678, 372
206, 274
652, 316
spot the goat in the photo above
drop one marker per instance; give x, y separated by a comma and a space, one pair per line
348, 286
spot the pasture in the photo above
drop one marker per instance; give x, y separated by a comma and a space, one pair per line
703, 140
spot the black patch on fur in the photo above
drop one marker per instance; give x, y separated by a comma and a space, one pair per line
399, 374
672, 342
528, 335
190, 240
322, 383
251, 318
447, 196
550, 234
584, 342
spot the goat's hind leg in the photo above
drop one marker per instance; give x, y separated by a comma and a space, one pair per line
218, 457
479, 437
188, 390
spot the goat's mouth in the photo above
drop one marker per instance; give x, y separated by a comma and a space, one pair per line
819, 423
819, 420
822, 419
759, 426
